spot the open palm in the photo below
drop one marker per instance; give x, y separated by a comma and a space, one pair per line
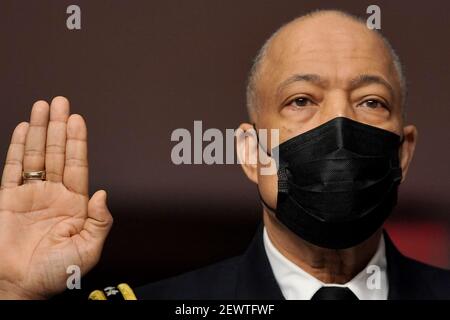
47, 226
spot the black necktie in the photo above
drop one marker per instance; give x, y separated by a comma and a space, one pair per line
334, 293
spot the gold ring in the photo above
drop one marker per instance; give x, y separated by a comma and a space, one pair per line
33, 175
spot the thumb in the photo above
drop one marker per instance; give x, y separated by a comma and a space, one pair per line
99, 220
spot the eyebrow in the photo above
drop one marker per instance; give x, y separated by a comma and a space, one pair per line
367, 79
312, 78
359, 81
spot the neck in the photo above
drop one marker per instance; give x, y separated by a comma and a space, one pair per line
327, 265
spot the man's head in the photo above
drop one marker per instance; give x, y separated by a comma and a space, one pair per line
255, 72
318, 67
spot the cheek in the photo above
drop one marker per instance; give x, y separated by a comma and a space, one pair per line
268, 187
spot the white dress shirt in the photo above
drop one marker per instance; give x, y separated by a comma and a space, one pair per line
296, 284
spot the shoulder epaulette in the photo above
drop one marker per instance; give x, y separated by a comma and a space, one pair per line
122, 292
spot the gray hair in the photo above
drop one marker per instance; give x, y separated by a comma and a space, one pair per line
257, 62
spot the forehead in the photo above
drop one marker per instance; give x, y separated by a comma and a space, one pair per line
332, 46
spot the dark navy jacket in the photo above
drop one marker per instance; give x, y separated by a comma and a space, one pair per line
250, 276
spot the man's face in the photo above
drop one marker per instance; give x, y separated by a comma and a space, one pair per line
322, 68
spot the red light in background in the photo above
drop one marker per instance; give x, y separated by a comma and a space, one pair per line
426, 241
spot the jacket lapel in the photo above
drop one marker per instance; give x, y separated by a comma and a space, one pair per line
405, 283
255, 278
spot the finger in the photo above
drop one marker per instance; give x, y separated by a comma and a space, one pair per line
34, 156
12, 173
96, 226
76, 165
99, 219
56, 139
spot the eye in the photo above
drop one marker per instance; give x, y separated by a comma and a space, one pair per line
373, 104
301, 102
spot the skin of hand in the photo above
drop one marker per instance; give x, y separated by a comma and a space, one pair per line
46, 226
335, 50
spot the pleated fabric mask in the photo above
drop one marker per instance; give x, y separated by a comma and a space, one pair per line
337, 183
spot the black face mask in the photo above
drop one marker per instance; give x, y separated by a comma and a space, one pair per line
337, 183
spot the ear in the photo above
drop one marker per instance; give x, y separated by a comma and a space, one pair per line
247, 150
410, 135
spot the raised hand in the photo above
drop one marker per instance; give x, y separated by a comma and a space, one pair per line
46, 226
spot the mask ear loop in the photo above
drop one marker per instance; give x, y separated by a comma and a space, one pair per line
399, 168
259, 144
257, 187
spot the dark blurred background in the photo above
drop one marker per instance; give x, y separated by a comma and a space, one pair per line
137, 70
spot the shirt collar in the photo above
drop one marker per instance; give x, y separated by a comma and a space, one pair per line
296, 284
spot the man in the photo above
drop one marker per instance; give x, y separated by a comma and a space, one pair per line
335, 91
